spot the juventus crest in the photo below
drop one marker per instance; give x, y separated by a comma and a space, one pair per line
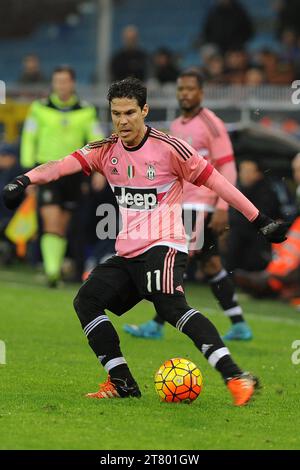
151, 172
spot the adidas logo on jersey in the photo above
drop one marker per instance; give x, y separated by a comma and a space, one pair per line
114, 171
136, 198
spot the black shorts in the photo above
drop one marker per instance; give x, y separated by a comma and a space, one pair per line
158, 270
210, 239
65, 192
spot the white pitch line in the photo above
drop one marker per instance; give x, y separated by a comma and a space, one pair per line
286, 321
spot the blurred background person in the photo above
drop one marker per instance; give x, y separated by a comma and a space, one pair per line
290, 46
31, 71
9, 168
254, 76
212, 67
281, 276
55, 126
296, 175
214, 70
228, 25
276, 71
236, 65
132, 59
246, 249
165, 69
98, 250
288, 16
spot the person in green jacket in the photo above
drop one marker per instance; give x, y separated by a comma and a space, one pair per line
55, 126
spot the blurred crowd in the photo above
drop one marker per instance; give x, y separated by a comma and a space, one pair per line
223, 55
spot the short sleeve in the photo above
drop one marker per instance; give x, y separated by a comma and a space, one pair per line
188, 164
221, 150
90, 158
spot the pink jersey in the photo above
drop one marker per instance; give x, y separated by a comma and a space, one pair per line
207, 134
147, 181
148, 184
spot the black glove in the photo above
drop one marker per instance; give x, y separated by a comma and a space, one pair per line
14, 192
274, 232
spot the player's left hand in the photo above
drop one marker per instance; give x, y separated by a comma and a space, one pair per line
274, 232
219, 221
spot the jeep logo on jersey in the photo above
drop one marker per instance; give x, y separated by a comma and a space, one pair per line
136, 198
151, 172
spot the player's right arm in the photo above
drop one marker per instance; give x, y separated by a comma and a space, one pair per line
85, 159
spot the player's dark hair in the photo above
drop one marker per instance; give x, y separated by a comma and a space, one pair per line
131, 88
193, 73
65, 68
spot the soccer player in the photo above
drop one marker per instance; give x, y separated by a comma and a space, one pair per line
206, 133
146, 169
56, 126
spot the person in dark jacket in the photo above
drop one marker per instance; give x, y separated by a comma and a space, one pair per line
131, 60
164, 66
246, 249
228, 25
288, 16
281, 277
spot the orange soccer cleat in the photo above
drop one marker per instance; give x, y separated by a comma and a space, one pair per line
116, 389
242, 388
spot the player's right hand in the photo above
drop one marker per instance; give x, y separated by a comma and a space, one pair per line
14, 192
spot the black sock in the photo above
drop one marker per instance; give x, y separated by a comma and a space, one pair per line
207, 339
122, 372
200, 329
228, 368
223, 289
105, 342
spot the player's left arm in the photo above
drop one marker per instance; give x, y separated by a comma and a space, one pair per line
195, 169
274, 232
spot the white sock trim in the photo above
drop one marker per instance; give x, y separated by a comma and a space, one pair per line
90, 326
231, 312
223, 273
182, 321
214, 358
189, 317
117, 361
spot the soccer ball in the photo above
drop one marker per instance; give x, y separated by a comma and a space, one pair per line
178, 380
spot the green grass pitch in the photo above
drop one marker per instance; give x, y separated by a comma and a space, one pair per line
50, 367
